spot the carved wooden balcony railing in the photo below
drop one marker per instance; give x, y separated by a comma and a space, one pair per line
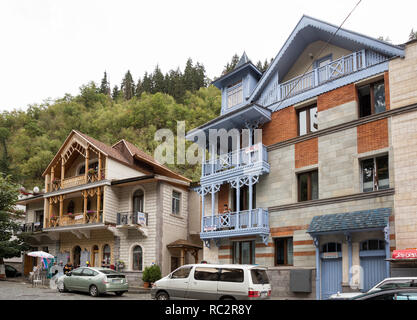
70, 182
75, 219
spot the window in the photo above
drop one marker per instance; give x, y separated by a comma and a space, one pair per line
244, 198
395, 284
307, 120
138, 201
284, 251
77, 272
206, 274
259, 276
137, 258
371, 99
373, 245
231, 275
89, 273
106, 255
244, 252
181, 273
375, 174
176, 201
234, 94
331, 247
308, 186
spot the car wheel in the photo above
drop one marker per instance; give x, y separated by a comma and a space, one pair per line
61, 287
119, 293
162, 296
94, 291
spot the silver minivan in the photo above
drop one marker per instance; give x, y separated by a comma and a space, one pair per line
214, 282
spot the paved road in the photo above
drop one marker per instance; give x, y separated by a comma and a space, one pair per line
22, 291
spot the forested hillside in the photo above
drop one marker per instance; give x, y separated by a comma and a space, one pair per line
134, 111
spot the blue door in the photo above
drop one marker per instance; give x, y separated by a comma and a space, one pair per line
331, 275
373, 264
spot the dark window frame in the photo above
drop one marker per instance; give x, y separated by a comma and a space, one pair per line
308, 119
286, 264
372, 97
375, 183
175, 200
309, 185
251, 248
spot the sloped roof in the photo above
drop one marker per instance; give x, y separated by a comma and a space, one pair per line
368, 219
309, 30
243, 59
116, 155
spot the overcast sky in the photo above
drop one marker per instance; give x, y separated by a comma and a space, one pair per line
52, 47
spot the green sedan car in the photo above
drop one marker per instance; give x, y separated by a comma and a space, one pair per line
95, 281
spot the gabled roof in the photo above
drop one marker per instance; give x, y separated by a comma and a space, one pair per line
309, 30
243, 59
113, 153
343, 222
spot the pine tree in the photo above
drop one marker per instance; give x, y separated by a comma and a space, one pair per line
158, 80
188, 75
147, 83
128, 86
105, 85
231, 65
139, 88
115, 93
413, 35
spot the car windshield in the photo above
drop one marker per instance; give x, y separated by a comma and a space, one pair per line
393, 284
259, 276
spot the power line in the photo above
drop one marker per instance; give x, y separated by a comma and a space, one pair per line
320, 52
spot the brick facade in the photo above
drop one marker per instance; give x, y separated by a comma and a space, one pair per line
373, 136
283, 126
306, 153
336, 97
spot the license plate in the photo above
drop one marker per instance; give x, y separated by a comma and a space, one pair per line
117, 281
264, 293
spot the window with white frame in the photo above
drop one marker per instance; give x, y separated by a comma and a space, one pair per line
234, 94
176, 202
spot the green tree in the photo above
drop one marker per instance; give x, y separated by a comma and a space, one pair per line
11, 243
128, 86
413, 35
231, 65
105, 85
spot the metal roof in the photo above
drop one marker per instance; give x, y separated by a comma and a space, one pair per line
368, 219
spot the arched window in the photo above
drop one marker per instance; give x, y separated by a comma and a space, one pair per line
372, 245
70, 207
331, 247
106, 256
138, 201
137, 255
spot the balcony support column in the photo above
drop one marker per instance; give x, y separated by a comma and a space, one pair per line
237, 203
51, 188
203, 162
250, 200
61, 207
87, 157
212, 204
49, 215
203, 196
213, 158
98, 203
62, 171
99, 166
85, 195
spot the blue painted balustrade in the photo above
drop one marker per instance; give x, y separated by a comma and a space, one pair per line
234, 224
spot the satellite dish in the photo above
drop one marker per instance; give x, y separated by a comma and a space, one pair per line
35, 190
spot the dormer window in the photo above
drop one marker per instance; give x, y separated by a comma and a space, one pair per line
234, 94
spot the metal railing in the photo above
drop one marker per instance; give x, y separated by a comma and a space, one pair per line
32, 227
235, 159
247, 219
132, 218
335, 69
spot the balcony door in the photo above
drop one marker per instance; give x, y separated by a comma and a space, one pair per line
244, 198
138, 201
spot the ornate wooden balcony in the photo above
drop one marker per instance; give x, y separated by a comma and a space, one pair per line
339, 68
75, 219
70, 182
235, 224
32, 227
248, 161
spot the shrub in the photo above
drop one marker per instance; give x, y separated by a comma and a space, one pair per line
152, 273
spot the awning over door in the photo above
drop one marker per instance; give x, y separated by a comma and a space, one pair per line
350, 222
